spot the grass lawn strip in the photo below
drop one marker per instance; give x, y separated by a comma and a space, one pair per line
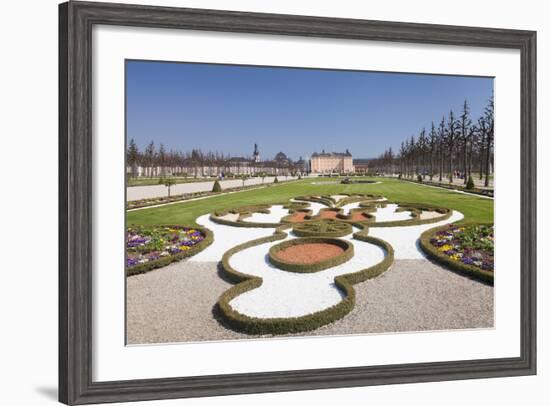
474, 208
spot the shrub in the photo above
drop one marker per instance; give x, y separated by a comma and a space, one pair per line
217, 187
326, 228
419, 178
470, 184
276, 180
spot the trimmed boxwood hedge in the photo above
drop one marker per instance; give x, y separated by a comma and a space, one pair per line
244, 212
247, 211
318, 199
348, 217
316, 266
287, 325
353, 198
416, 209
167, 260
434, 254
323, 228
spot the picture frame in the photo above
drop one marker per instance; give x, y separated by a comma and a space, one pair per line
76, 20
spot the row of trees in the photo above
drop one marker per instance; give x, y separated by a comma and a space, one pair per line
456, 146
195, 163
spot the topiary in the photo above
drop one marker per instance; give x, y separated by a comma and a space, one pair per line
217, 187
276, 180
470, 183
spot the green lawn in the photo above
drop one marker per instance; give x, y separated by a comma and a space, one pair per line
474, 208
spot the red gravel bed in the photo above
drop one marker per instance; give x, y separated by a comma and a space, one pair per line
328, 214
358, 216
297, 217
309, 253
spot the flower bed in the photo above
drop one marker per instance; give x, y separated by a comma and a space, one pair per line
153, 247
310, 254
468, 248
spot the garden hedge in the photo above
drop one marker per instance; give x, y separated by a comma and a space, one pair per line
323, 228
317, 199
244, 212
358, 197
167, 260
469, 270
416, 209
287, 325
316, 266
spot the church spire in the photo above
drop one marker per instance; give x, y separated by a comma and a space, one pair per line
256, 154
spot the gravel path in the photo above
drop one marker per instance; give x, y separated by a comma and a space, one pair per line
149, 191
174, 304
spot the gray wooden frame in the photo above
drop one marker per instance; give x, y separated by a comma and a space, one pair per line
75, 187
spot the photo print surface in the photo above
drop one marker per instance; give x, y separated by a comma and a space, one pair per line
266, 202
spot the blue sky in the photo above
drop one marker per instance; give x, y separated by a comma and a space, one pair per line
228, 108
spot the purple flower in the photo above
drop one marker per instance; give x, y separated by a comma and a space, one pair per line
131, 262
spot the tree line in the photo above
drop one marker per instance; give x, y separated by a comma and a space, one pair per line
457, 146
160, 162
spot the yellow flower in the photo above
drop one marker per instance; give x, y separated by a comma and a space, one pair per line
445, 247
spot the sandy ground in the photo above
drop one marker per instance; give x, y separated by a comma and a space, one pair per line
144, 192
175, 303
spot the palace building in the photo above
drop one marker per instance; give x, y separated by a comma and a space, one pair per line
329, 162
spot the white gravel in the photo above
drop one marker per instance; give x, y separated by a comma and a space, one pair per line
226, 237
388, 213
289, 294
230, 216
426, 215
347, 207
274, 216
337, 198
404, 240
313, 206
